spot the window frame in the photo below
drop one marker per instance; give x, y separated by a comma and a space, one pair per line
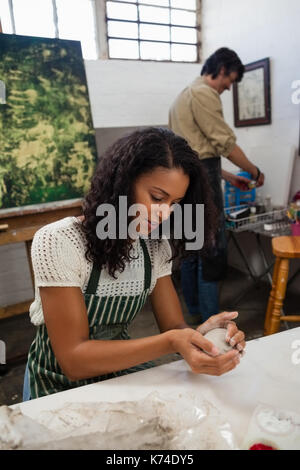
101, 32
104, 27
56, 23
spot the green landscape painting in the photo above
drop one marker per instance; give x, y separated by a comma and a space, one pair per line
47, 141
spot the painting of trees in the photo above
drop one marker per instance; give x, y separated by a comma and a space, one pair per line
47, 142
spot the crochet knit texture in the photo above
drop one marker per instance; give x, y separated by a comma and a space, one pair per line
58, 259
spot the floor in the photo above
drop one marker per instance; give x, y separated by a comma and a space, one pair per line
17, 332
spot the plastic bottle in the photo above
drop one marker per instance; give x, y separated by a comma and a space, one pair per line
268, 203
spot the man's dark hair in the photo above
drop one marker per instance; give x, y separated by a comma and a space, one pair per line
226, 58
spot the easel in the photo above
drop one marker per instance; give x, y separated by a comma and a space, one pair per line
20, 224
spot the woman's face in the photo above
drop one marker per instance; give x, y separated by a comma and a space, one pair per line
161, 186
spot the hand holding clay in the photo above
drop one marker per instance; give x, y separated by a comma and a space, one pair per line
218, 337
223, 332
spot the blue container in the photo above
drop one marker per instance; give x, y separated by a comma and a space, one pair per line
235, 197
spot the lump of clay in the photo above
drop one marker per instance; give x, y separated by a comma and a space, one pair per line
217, 337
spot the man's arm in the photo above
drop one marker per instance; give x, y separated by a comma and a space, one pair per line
208, 114
238, 158
238, 181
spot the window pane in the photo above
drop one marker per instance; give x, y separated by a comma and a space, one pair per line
186, 18
155, 32
122, 30
155, 51
121, 11
76, 21
157, 3
34, 18
119, 49
154, 15
183, 53
184, 35
5, 17
187, 4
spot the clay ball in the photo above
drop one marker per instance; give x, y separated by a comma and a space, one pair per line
217, 337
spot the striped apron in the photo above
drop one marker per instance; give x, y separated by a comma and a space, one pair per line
108, 317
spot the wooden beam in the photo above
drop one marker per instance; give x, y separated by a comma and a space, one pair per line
16, 309
18, 235
290, 318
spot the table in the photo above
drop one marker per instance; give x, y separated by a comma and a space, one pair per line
267, 374
19, 224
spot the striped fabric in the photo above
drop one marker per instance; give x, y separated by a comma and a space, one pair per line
108, 318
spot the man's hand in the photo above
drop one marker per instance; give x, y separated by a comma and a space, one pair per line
239, 182
260, 180
238, 158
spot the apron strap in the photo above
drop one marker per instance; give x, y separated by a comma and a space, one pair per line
93, 281
95, 274
147, 265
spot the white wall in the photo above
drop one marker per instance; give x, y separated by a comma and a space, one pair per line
127, 93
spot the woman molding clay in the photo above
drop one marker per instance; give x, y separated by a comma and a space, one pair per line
88, 290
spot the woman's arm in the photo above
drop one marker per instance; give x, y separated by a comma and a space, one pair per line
80, 357
166, 305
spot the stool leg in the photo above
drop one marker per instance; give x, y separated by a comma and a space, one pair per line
283, 271
271, 297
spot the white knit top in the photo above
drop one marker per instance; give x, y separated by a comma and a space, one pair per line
58, 259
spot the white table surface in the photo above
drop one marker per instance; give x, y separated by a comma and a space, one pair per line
266, 374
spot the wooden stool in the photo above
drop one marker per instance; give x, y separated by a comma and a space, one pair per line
284, 248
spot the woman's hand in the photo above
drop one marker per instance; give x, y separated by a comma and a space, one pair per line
234, 337
191, 345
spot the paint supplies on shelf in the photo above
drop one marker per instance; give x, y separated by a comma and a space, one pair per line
293, 214
250, 217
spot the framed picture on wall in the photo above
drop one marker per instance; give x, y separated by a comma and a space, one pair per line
252, 96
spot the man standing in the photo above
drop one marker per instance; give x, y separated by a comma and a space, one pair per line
197, 115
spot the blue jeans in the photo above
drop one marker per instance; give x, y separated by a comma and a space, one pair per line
201, 297
26, 386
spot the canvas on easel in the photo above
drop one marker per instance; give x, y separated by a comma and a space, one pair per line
47, 142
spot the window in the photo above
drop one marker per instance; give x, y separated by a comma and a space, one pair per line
65, 19
5, 17
39, 24
165, 30
152, 30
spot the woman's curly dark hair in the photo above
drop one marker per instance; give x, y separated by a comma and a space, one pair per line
128, 158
